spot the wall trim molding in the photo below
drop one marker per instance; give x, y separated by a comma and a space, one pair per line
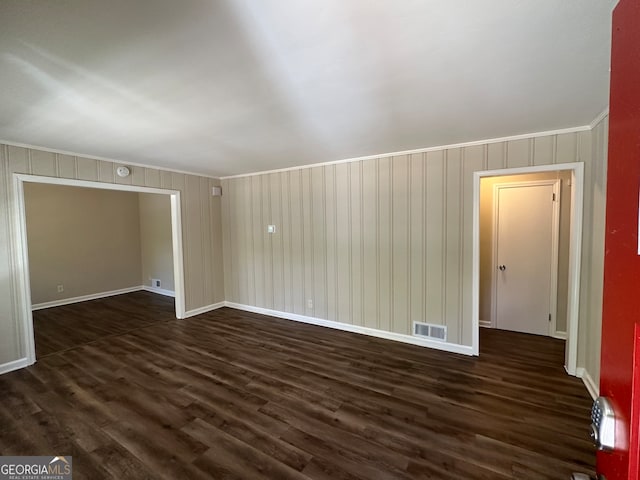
15, 365
159, 291
84, 298
525, 136
18, 245
601, 116
104, 159
205, 309
372, 332
594, 390
560, 335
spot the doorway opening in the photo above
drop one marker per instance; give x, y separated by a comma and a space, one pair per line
524, 247
527, 238
25, 285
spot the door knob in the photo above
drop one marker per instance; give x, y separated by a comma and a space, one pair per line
502, 268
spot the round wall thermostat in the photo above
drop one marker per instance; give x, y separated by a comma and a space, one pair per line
123, 171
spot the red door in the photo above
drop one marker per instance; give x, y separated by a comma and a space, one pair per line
621, 304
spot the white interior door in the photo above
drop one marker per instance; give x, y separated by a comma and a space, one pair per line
525, 250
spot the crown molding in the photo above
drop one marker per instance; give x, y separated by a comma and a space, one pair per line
601, 116
582, 128
104, 159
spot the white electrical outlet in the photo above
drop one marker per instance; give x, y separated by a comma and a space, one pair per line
60, 288
155, 282
271, 229
309, 303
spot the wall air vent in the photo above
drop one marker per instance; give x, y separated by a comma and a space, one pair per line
434, 332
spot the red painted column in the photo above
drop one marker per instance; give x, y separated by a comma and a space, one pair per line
621, 303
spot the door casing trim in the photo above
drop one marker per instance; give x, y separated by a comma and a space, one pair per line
575, 252
21, 255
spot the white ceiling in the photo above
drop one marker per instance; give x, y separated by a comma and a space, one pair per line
237, 86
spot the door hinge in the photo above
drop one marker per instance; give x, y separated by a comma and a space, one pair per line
554, 197
549, 317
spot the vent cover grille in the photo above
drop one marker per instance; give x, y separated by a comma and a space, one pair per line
435, 332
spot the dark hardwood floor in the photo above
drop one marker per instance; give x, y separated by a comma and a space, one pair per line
61, 328
130, 392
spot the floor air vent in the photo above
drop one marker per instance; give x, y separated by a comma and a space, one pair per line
435, 332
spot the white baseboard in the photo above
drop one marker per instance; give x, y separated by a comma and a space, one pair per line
84, 298
14, 365
398, 337
485, 323
159, 291
205, 309
594, 390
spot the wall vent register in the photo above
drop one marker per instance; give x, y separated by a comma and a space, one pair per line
434, 332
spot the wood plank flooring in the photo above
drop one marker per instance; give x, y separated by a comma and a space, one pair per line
130, 392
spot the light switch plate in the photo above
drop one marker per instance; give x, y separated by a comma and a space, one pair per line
271, 229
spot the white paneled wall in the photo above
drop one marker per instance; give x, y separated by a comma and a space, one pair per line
593, 256
378, 243
201, 218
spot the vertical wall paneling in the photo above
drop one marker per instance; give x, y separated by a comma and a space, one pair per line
518, 153
18, 159
453, 257
496, 156
416, 239
138, 176
205, 217
195, 281
277, 240
227, 191
380, 242
566, 148
596, 258
331, 280
435, 176
400, 246
343, 214
267, 219
370, 243
474, 159
319, 246
257, 227
165, 178
244, 252
217, 247
106, 171
43, 163
67, 166
307, 240
10, 344
385, 233
87, 169
581, 147
151, 177
232, 250
296, 228
543, 150
187, 224
355, 242
287, 241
